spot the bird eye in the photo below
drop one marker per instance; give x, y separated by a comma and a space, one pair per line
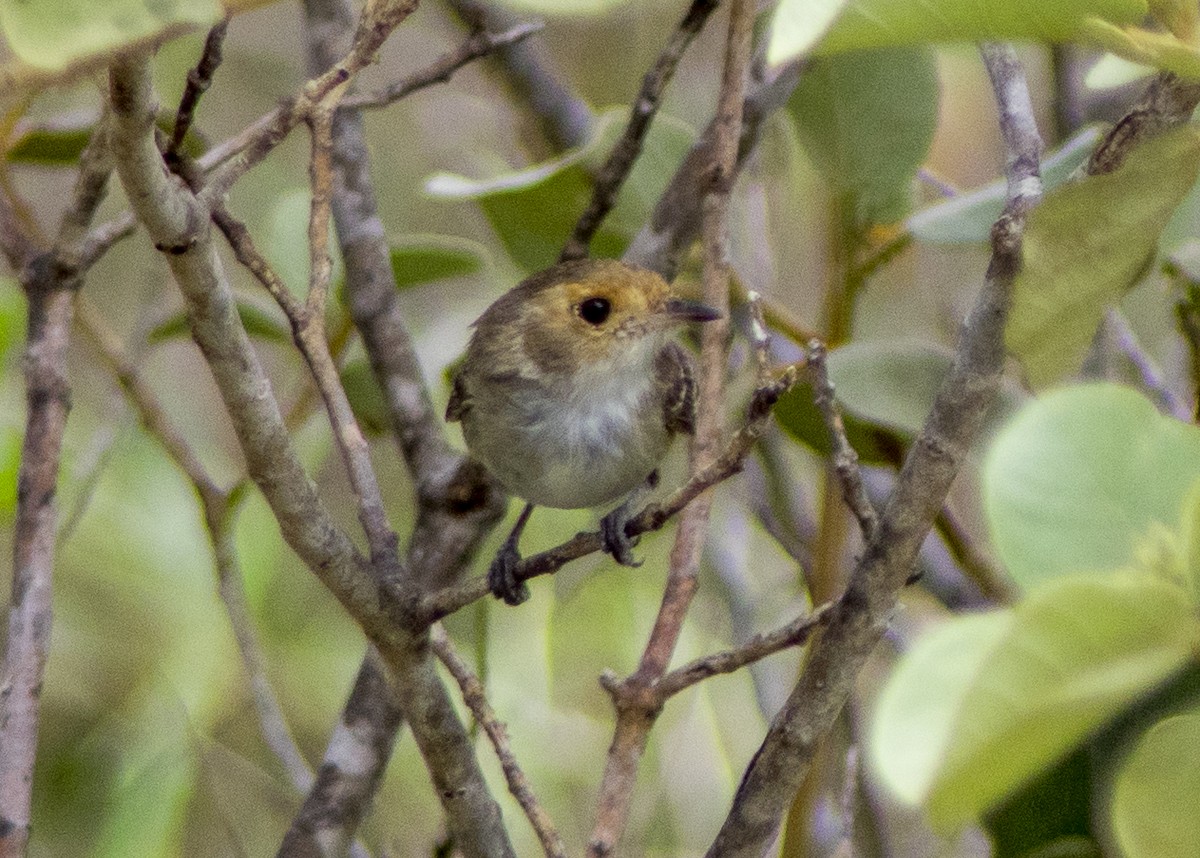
594, 310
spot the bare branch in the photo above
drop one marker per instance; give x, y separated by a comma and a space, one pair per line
476, 699
636, 710
620, 160
795, 633
198, 81
376, 595
477, 45
50, 280
1167, 102
845, 460
860, 616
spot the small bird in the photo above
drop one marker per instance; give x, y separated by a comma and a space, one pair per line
571, 391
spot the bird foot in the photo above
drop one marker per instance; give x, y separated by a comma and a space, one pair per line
502, 576
614, 540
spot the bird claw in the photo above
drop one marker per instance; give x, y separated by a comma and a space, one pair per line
502, 576
614, 540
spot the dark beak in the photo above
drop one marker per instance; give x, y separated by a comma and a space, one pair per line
690, 311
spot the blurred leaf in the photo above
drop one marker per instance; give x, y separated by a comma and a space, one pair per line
983, 703
1086, 245
366, 397
534, 210
10, 464
1179, 16
1160, 50
422, 258
968, 218
52, 34
12, 316
285, 244
60, 141
46, 146
1049, 817
840, 105
264, 324
1081, 476
800, 418
797, 25
1156, 801
893, 384
1111, 72
887, 23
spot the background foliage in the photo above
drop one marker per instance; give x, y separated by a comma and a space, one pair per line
1038, 688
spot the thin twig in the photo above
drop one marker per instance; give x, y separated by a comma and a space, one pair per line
620, 160
50, 279
199, 79
795, 633
477, 45
476, 699
376, 595
1167, 102
860, 616
1149, 375
262, 137
845, 460
633, 699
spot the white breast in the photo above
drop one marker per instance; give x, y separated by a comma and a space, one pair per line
578, 445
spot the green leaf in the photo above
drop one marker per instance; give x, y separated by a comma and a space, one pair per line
1146, 47
52, 34
1086, 245
983, 703
1081, 476
887, 23
534, 210
10, 464
1111, 72
893, 384
422, 258
800, 418
840, 105
1156, 801
366, 397
12, 316
968, 218
798, 24
48, 146
264, 324
1049, 817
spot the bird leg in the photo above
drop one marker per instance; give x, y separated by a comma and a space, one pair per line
502, 574
612, 526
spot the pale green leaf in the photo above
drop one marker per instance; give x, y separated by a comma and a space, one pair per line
1079, 479
983, 703
1112, 71
1147, 47
968, 217
886, 23
1086, 245
797, 25
840, 105
893, 384
52, 34
1189, 543
1156, 802
534, 210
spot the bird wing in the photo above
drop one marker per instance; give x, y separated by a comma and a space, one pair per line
674, 373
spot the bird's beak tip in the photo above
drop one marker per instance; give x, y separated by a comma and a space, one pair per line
691, 311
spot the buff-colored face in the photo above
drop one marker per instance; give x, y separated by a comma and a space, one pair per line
588, 319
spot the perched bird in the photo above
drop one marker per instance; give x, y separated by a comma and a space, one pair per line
571, 391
